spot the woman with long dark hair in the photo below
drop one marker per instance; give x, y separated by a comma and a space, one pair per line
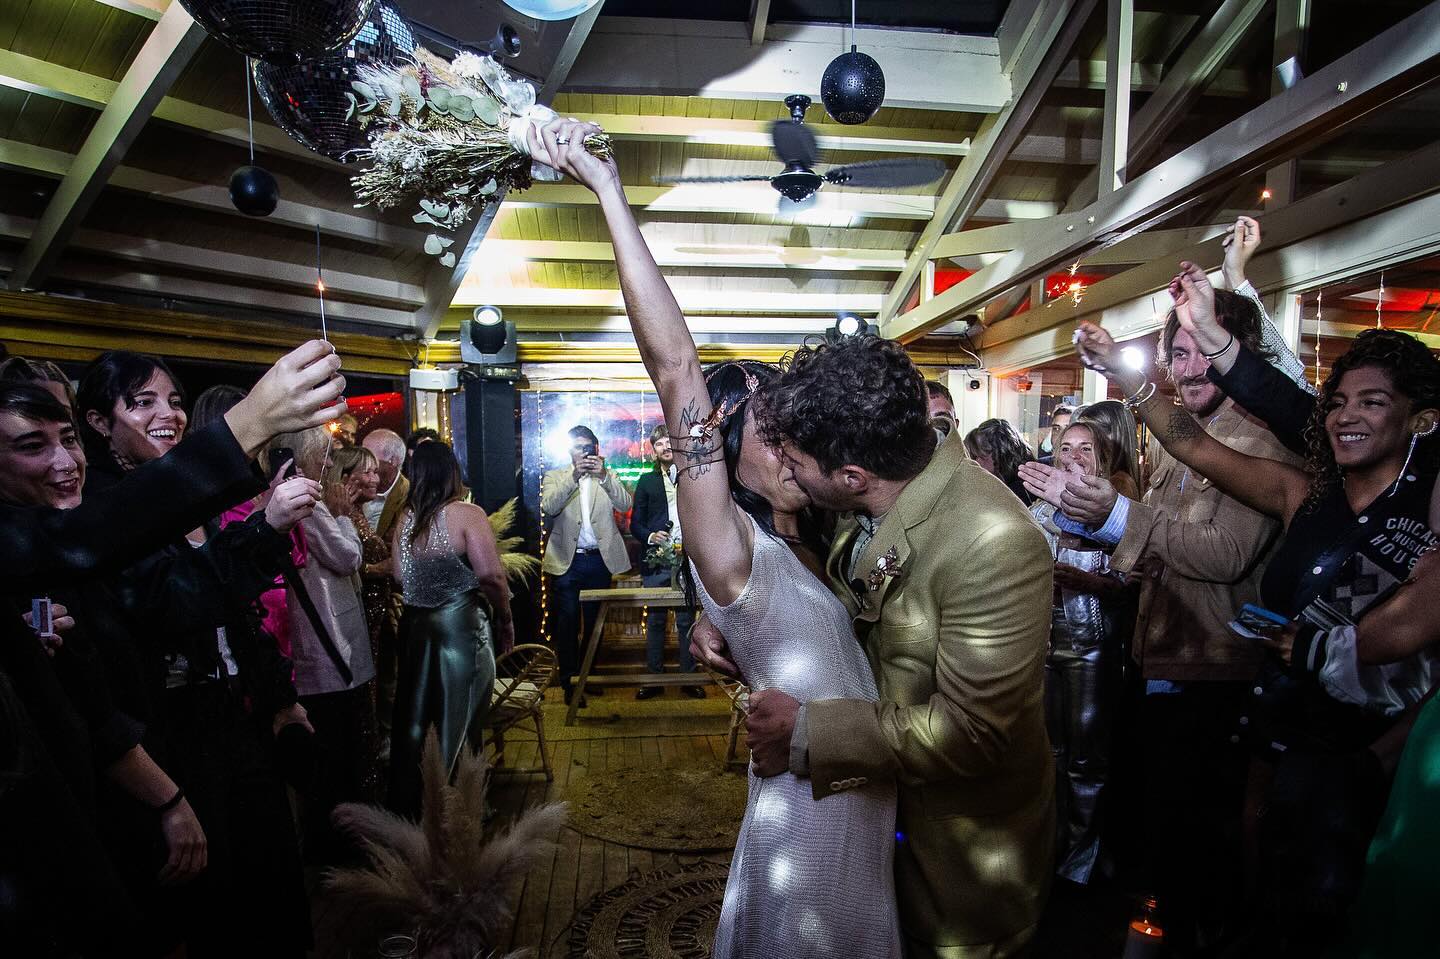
808, 878
1357, 517
996, 446
456, 618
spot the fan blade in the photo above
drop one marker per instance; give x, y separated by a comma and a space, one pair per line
709, 179
794, 143
911, 171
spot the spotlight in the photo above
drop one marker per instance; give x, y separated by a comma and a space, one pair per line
488, 339
1133, 357
488, 315
848, 324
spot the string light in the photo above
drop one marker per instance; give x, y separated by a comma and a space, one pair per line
544, 580
1319, 314
1380, 301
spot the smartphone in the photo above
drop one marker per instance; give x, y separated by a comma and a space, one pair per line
42, 620
279, 456
1257, 622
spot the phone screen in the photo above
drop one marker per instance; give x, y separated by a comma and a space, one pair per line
279, 456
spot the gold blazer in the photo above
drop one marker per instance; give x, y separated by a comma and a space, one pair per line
955, 623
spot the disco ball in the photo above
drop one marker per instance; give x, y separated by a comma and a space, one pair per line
551, 9
853, 87
281, 31
308, 99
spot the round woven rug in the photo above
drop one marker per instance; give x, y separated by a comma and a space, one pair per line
658, 915
680, 808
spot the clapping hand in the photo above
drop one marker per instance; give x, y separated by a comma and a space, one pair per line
1088, 499
1043, 481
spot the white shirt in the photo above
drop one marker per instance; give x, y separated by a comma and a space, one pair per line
587, 538
669, 477
376, 506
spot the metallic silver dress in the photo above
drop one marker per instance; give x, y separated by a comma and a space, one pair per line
808, 879
1080, 686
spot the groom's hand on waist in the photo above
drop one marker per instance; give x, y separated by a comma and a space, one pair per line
768, 728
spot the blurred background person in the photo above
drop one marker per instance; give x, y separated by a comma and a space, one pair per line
998, 447
382, 602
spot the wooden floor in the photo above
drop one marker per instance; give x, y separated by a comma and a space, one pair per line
664, 730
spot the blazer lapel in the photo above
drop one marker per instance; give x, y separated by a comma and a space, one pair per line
839, 563
880, 565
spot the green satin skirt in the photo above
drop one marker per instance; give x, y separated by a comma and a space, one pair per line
446, 678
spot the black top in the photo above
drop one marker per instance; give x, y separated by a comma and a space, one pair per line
1359, 557
1281, 403
650, 512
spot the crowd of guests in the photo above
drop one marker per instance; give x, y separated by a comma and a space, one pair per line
1231, 683
230, 614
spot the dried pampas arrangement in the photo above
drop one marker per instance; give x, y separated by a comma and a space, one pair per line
450, 135
518, 564
442, 880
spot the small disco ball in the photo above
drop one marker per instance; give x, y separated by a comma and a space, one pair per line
551, 9
281, 31
308, 99
853, 87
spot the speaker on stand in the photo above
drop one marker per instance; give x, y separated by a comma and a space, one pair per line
487, 344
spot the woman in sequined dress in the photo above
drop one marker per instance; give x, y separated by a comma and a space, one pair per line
456, 618
808, 878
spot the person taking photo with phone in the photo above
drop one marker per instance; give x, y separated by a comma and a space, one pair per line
585, 548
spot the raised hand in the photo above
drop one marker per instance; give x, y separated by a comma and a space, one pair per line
1240, 243
1044, 482
561, 144
303, 389
1096, 347
1195, 308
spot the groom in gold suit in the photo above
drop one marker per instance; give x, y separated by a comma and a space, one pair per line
948, 581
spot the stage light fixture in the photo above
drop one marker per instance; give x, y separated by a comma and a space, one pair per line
848, 324
488, 315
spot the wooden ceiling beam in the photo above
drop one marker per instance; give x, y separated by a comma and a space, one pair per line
1043, 47
1379, 71
700, 255
20, 72
737, 198
216, 199
711, 58
221, 263
166, 51
759, 20
149, 9
756, 133
691, 301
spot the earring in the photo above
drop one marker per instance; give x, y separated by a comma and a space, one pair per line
1414, 439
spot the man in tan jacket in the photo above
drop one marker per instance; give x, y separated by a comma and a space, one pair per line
948, 581
585, 548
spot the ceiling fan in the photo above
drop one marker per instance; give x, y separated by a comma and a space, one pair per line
795, 146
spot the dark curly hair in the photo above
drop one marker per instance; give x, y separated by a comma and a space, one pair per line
855, 400
114, 376
1237, 314
1000, 441
1414, 372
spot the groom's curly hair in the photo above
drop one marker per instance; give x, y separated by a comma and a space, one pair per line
856, 400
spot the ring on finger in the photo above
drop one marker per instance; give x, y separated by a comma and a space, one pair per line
562, 140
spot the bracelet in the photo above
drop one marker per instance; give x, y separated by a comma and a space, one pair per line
1134, 400
172, 802
1222, 351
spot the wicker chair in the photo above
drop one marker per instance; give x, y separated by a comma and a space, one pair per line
521, 678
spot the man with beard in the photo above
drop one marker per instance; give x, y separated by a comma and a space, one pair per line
1199, 556
655, 523
947, 580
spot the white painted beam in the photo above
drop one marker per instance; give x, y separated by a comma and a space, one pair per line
699, 323
1057, 24
149, 9
704, 58
700, 255
1386, 67
756, 133
1292, 25
761, 200
165, 53
691, 301
207, 196
1115, 135
759, 20
221, 263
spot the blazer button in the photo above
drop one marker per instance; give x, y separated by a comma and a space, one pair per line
836, 786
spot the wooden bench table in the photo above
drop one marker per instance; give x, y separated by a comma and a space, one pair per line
623, 598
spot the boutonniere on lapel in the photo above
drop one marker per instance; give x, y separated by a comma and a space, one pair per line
887, 566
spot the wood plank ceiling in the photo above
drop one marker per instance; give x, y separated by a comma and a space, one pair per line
163, 232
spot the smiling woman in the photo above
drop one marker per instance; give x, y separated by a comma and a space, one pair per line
130, 408
41, 462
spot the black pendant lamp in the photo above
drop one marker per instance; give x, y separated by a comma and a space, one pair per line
253, 189
853, 86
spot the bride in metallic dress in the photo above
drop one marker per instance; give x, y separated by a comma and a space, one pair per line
808, 878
